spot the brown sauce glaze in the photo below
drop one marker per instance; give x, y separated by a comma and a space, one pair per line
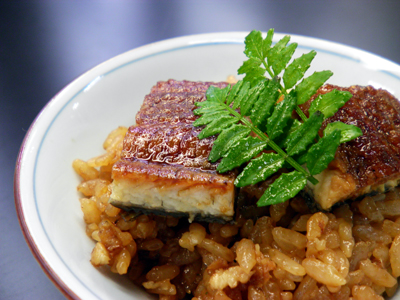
164, 133
373, 158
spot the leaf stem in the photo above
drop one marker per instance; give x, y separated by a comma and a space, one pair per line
268, 69
298, 110
273, 145
301, 114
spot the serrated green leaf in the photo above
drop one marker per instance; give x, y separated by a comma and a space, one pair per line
348, 132
217, 126
254, 45
216, 94
285, 187
227, 138
301, 158
208, 109
274, 52
209, 117
281, 115
323, 152
283, 58
243, 151
329, 103
305, 134
295, 124
254, 80
207, 104
247, 103
267, 42
263, 108
212, 94
259, 169
256, 49
242, 94
296, 70
250, 65
308, 86
234, 91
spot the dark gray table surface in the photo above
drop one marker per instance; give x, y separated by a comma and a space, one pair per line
44, 45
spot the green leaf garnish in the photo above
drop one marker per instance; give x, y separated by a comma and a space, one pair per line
226, 140
323, 152
259, 169
215, 94
304, 135
210, 116
254, 46
243, 151
217, 126
241, 94
257, 114
254, 72
295, 71
329, 103
285, 187
348, 132
309, 86
247, 102
233, 93
263, 109
279, 119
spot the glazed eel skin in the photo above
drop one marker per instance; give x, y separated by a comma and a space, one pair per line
164, 166
369, 164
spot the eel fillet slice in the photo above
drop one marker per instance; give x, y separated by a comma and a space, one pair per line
369, 164
164, 166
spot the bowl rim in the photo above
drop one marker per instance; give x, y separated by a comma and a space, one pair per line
48, 270
145, 51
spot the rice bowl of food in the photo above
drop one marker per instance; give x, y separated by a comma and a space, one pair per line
128, 248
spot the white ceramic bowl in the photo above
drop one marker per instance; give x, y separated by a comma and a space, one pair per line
77, 120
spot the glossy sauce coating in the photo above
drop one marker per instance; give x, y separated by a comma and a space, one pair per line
175, 144
164, 133
373, 158
184, 86
164, 167
169, 108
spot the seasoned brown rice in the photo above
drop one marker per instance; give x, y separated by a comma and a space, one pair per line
352, 252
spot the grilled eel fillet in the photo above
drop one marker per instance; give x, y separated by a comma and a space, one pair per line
164, 166
370, 163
